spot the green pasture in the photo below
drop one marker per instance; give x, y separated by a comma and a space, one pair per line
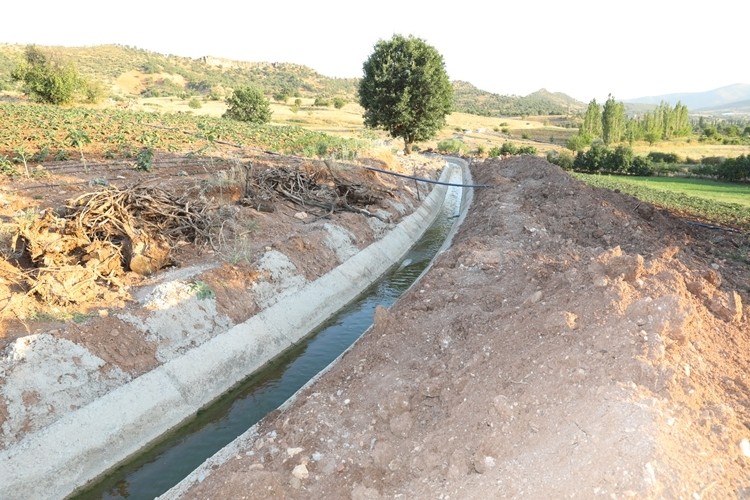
716, 202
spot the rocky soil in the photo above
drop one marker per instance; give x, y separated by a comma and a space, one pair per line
573, 342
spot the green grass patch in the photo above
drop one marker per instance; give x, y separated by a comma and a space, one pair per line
713, 202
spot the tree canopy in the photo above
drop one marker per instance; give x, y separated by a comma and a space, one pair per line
405, 89
613, 121
248, 104
51, 81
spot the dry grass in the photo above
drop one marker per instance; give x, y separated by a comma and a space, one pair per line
475, 131
693, 149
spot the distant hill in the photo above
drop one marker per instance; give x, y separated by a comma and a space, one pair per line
729, 98
732, 108
168, 74
131, 71
469, 99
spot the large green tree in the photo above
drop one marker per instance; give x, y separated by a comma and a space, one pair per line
405, 89
248, 104
49, 80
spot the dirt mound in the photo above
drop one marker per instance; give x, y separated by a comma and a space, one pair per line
571, 342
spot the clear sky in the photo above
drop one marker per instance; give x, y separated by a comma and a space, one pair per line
586, 49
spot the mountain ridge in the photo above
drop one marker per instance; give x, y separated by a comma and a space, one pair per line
215, 75
725, 97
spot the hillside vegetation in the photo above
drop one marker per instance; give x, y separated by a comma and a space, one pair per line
469, 99
130, 72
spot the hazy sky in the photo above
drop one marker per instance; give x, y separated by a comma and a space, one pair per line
586, 49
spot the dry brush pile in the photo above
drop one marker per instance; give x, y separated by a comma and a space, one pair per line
328, 189
81, 254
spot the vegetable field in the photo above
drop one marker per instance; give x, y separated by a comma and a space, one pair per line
44, 132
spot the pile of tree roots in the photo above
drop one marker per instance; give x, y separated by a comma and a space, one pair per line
323, 189
81, 254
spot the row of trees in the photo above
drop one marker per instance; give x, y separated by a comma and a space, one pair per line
610, 124
727, 169
621, 160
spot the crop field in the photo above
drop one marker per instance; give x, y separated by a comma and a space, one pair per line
44, 132
710, 201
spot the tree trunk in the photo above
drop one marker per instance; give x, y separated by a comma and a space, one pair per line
407, 147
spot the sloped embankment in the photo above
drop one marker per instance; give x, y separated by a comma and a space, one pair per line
572, 341
68, 414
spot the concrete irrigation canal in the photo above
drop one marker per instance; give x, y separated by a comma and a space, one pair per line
145, 436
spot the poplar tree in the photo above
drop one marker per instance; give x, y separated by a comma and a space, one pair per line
613, 121
592, 122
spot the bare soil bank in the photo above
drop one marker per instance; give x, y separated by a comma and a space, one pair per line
572, 342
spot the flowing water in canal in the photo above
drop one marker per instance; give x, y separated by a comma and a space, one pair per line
178, 454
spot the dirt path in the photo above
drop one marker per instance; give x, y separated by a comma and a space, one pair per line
572, 342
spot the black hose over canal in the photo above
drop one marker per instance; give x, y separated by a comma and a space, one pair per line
161, 467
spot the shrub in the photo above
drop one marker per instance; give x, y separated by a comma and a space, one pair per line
144, 161
713, 160
321, 101
577, 142
194, 103
562, 159
508, 148
49, 81
248, 104
734, 169
620, 159
339, 102
452, 146
7, 168
641, 166
656, 156
62, 155
592, 160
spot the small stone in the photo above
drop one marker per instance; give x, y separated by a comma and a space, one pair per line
300, 472
293, 451
103, 313
535, 297
301, 215
745, 447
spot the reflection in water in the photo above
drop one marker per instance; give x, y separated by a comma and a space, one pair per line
166, 464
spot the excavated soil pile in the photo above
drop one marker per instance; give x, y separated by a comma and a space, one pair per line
571, 342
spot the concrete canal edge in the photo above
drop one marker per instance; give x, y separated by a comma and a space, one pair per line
232, 449
82, 445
